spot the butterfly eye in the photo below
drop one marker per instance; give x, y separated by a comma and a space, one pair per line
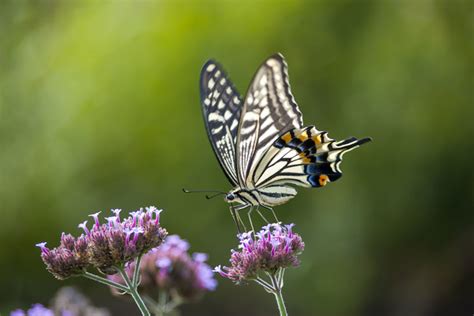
230, 197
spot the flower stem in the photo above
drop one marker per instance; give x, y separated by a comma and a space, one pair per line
136, 272
162, 301
105, 281
267, 287
278, 295
153, 305
164, 305
280, 303
133, 291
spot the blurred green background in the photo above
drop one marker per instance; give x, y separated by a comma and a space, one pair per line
99, 109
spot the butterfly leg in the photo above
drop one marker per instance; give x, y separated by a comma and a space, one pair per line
273, 212
261, 215
249, 214
234, 213
237, 219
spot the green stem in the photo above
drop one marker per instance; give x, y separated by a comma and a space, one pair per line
153, 306
136, 272
105, 281
163, 306
172, 305
133, 291
281, 303
267, 287
162, 301
278, 295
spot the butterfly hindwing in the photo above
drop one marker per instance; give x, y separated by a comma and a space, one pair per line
221, 106
273, 110
305, 157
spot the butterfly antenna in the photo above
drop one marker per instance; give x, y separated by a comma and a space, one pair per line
213, 196
203, 191
206, 191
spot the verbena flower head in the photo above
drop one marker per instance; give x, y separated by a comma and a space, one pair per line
105, 245
69, 301
274, 247
35, 310
66, 302
172, 269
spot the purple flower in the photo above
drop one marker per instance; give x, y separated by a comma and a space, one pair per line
39, 310
83, 225
105, 246
62, 262
95, 216
172, 269
42, 246
68, 241
35, 310
274, 247
66, 302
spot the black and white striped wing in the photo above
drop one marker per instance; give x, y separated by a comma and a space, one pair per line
269, 110
221, 107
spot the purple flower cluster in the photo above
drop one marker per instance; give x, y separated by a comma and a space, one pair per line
35, 310
66, 302
105, 246
172, 269
274, 247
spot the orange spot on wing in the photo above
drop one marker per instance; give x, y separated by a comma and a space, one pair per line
303, 136
286, 137
317, 139
323, 180
304, 158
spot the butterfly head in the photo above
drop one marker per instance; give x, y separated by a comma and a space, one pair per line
230, 197
233, 196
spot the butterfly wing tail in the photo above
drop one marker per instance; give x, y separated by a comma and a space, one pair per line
318, 155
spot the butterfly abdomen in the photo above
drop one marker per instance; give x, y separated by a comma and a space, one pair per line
276, 195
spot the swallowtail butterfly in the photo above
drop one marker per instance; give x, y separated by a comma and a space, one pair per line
261, 142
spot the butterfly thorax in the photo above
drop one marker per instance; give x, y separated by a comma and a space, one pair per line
242, 196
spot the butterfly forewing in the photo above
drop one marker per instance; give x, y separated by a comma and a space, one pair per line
221, 106
269, 110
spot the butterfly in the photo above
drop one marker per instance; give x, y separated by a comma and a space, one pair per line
261, 143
